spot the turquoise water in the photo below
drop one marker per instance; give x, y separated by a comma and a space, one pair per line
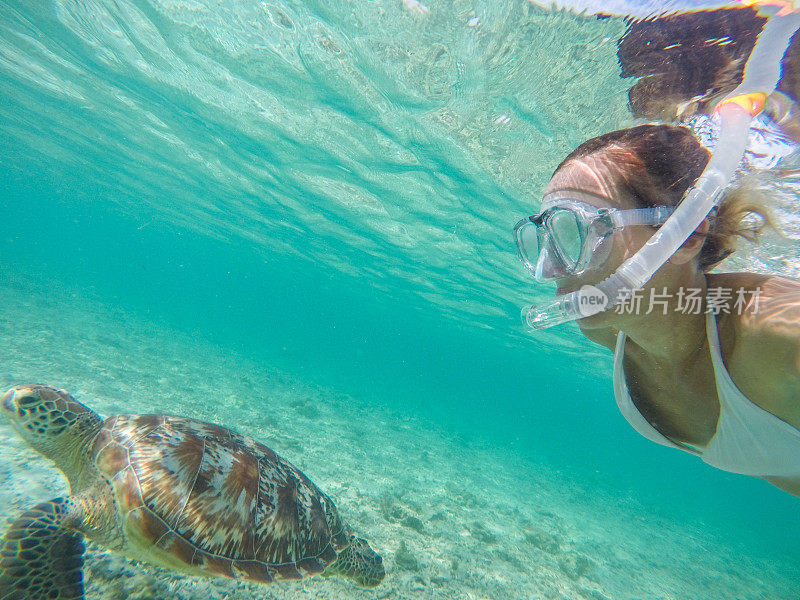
303, 210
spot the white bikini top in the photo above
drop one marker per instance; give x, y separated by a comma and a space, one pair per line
748, 440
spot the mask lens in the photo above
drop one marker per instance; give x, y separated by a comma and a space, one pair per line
566, 233
528, 240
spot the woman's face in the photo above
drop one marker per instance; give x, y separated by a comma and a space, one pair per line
592, 181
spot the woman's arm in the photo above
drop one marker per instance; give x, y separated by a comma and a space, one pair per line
605, 336
774, 327
765, 363
784, 483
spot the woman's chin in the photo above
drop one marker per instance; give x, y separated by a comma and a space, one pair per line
597, 321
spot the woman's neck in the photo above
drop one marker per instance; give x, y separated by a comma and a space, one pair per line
672, 333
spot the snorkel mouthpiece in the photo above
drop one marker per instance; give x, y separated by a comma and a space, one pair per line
585, 302
561, 309
736, 111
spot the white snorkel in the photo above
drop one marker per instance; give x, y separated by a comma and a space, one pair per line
736, 112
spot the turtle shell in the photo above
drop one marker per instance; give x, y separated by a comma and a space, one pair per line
203, 497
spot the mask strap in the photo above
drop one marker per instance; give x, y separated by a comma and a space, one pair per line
655, 215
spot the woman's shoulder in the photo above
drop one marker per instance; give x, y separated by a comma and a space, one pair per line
761, 302
766, 328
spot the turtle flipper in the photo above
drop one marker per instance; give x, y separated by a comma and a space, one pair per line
40, 558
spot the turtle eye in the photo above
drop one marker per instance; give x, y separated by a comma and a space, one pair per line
27, 401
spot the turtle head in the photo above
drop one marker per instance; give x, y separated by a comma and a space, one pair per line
49, 420
359, 562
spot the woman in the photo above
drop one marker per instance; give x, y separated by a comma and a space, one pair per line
725, 386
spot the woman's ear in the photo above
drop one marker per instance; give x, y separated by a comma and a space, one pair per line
692, 246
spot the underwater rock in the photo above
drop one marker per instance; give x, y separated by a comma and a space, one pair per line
574, 565
404, 559
542, 540
463, 498
510, 559
597, 595
391, 507
414, 523
266, 422
306, 409
481, 533
439, 515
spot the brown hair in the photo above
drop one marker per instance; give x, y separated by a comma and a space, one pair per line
657, 164
688, 57
686, 61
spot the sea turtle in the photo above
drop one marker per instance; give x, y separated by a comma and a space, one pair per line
175, 492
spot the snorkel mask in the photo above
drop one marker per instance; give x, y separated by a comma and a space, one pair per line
570, 237
736, 112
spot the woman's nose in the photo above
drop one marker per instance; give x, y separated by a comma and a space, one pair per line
547, 268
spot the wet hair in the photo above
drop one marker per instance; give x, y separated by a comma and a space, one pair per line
657, 164
686, 61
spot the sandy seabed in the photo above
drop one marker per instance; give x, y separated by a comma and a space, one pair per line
452, 519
